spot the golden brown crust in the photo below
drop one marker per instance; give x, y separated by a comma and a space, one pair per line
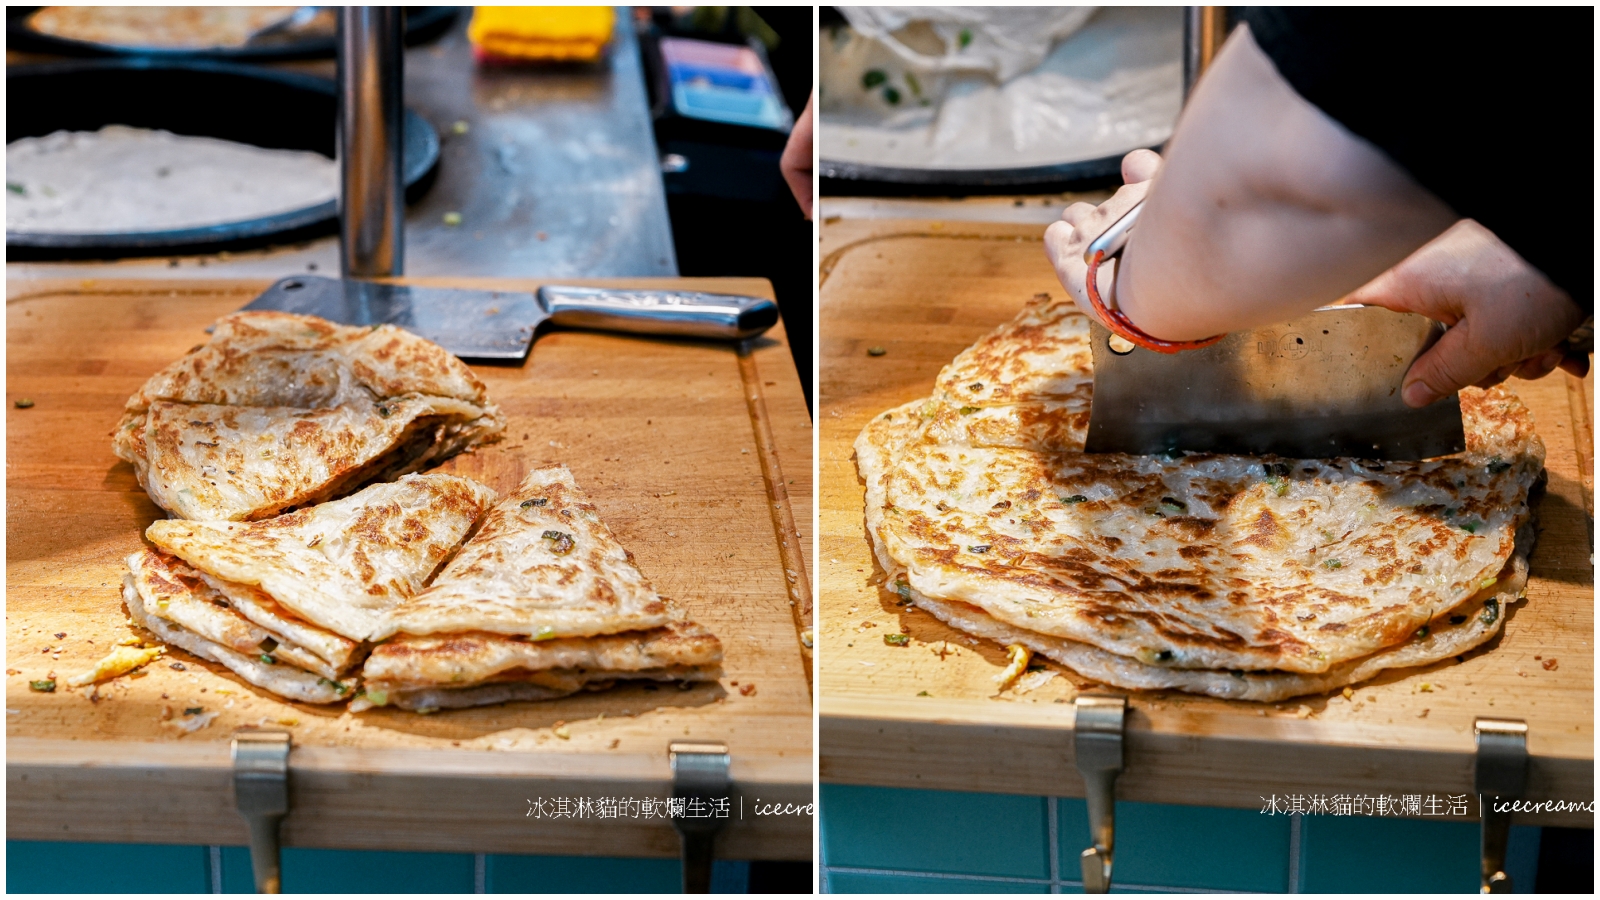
279, 411
1202, 562
344, 564
541, 564
458, 660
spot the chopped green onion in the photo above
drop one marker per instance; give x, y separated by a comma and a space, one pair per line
47, 686
897, 640
872, 78
560, 542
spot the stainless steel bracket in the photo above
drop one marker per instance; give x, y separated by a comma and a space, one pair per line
261, 792
1098, 749
701, 788
1499, 772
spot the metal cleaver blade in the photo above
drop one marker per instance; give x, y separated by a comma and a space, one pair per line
1324, 385
501, 325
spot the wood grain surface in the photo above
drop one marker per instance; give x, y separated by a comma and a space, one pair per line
698, 455
927, 715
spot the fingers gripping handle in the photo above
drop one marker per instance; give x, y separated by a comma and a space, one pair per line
680, 313
1113, 239
1105, 247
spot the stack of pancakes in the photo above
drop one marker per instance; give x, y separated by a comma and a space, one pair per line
290, 603
279, 411
1238, 577
284, 412
542, 602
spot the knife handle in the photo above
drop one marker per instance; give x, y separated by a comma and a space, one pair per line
679, 313
1115, 237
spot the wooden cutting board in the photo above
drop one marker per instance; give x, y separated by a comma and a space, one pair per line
926, 715
698, 455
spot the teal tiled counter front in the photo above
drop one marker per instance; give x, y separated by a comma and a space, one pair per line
897, 840
50, 867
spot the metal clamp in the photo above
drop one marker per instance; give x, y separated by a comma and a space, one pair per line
261, 791
1500, 771
1097, 747
699, 772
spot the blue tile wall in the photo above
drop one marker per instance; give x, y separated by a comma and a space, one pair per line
1399, 855
56, 867
1198, 847
307, 870
37, 867
896, 883
892, 840
935, 831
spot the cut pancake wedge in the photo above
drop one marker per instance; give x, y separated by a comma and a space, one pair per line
284, 680
542, 602
428, 671
342, 565
542, 565
279, 411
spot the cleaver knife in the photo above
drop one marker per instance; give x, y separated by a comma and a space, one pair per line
501, 325
1323, 385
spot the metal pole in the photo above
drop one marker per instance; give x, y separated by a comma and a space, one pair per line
1204, 30
372, 195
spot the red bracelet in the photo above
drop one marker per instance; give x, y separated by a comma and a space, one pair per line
1123, 327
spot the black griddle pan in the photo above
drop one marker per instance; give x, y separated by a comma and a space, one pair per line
252, 105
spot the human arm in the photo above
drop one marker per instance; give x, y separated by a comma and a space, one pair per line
796, 160
1266, 208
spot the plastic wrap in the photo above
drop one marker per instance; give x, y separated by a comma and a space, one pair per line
1111, 85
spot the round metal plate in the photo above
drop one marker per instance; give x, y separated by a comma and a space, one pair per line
423, 23
248, 104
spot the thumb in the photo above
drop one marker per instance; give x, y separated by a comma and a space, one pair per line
1449, 365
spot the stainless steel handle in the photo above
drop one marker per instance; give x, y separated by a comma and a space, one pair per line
682, 313
1097, 748
372, 204
1113, 239
1500, 772
261, 793
699, 772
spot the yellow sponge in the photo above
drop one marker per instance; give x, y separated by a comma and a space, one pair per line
540, 33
